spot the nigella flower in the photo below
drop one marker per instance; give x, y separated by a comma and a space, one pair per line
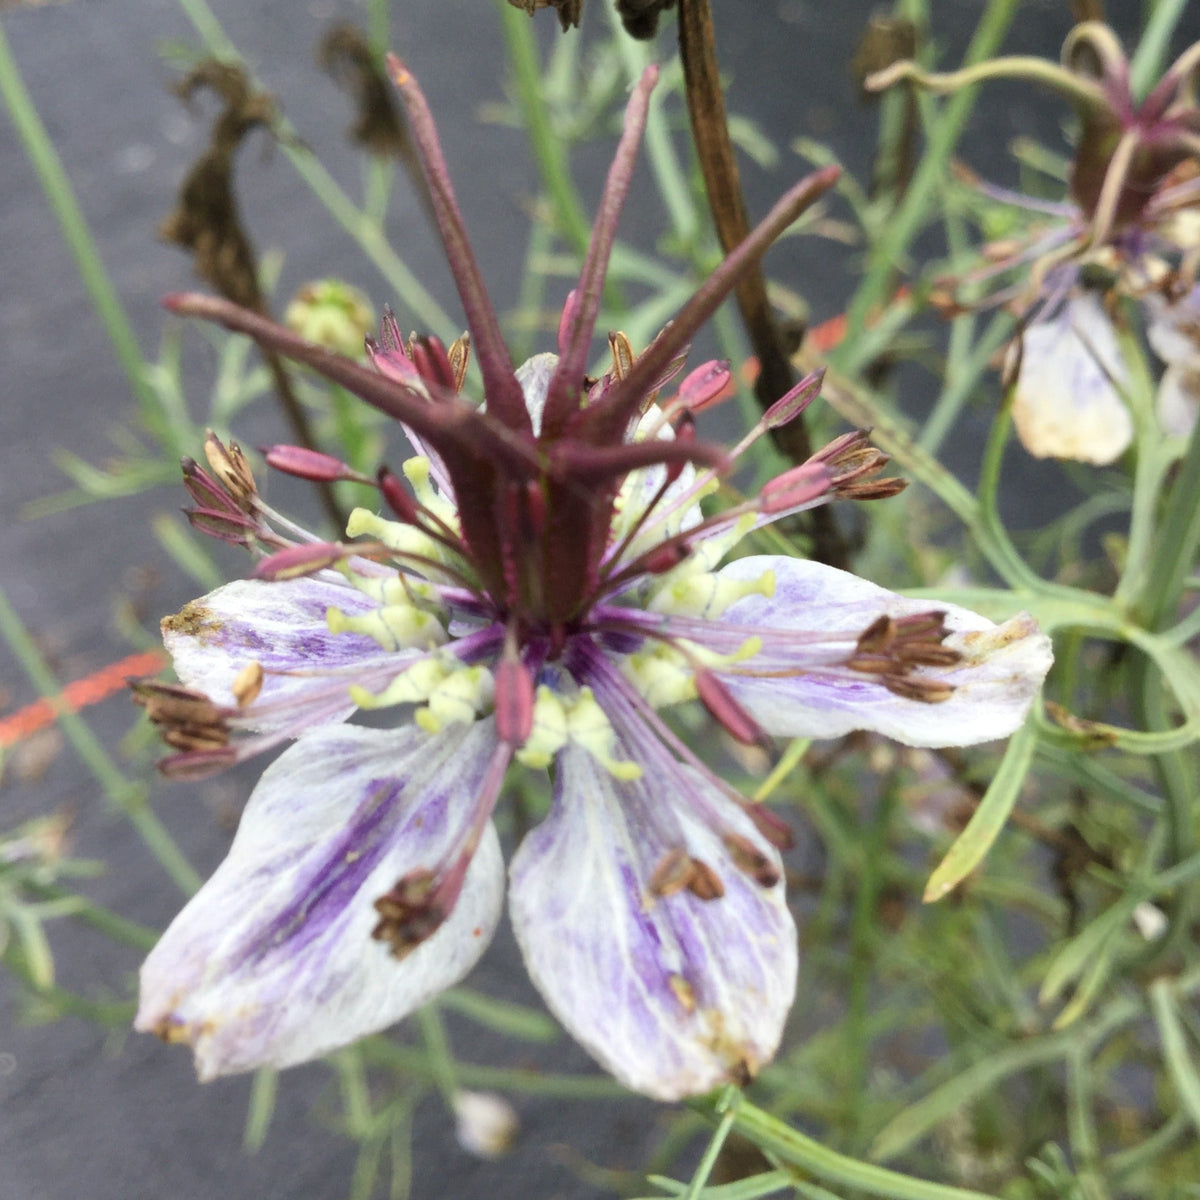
546, 586
1133, 184
1067, 401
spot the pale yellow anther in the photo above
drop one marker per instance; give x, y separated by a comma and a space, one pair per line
706, 594
461, 696
409, 687
394, 626
710, 658
588, 727
417, 472
662, 675
708, 554
549, 732
393, 588
403, 539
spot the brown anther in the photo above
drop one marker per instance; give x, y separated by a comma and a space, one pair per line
171, 704
229, 465
871, 664
927, 691
460, 358
672, 873
622, 354
876, 489
408, 913
891, 647
928, 654
703, 882
195, 737
231, 527
750, 859
247, 683
923, 625
203, 488
189, 721
877, 636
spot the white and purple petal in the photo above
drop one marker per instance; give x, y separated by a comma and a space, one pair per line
673, 994
272, 962
1068, 403
282, 626
817, 614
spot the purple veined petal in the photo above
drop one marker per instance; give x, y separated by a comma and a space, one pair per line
282, 626
995, 684
673, 994
272, 962
1067, 403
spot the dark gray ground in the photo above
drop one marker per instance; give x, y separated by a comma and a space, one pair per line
88, 1114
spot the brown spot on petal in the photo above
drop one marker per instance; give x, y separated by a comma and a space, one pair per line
192, 620
1092, 733
684, 992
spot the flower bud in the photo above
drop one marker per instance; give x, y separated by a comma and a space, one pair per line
332, 314
485, 1124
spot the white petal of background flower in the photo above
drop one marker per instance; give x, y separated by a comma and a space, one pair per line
674, 994
272, 962
995, 684
1179, 398
1066, 404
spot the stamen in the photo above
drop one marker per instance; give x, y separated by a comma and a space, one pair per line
187, 719
247, 684
460, 359
416, 906
229, 465
892, 647
433, 363
295, 562
308, 464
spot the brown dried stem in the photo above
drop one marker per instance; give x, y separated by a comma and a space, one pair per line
710, 131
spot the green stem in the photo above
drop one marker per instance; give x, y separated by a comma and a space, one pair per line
1151, 55
889, 251
862, 938
547, 147
708, 1159
73, 225
1178, 539
718, 164
962, 376
438, 1053
669, 175
126, 796
775, 1137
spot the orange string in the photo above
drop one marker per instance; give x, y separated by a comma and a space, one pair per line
78, 694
